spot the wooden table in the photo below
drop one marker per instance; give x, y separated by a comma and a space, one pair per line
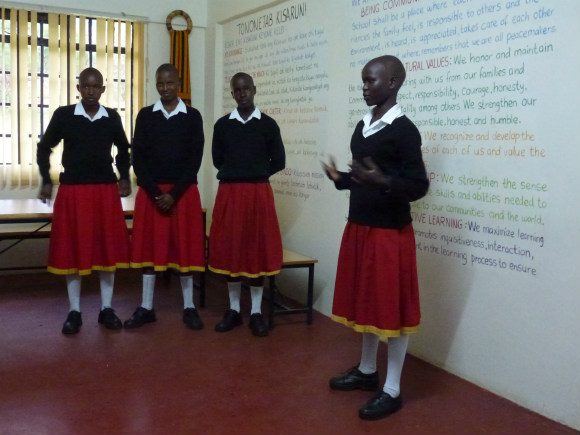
14, 211
17, 217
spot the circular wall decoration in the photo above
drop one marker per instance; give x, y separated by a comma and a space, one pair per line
178, 13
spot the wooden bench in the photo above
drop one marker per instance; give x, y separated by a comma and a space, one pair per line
21, 232
293, 260
290, 260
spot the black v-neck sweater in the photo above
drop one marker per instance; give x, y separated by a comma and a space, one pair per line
167, 150
396, 149
86, 155
249, 152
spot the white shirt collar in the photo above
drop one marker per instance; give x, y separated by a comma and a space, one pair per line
255, 114
101, 113
387, 119
180, 108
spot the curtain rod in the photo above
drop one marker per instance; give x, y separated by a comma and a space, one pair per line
96, 14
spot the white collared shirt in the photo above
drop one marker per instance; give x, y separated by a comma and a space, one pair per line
101, 113
255, 114
387, 119
180, 108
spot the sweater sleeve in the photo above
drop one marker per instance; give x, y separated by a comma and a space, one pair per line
277, 153
345, 181
51, 137
140, 161
122, 159
193, 157
217, 146
411, 182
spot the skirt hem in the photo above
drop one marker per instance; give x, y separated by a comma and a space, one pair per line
164, 267
77, 271
245, 274
381, 333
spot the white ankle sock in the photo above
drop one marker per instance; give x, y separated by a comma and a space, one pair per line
73, 287
148, 290
397, 349
235, 291
368, 358
107, 280
187, 289
256, 293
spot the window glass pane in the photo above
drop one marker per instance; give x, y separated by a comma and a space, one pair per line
5, 123
122, 90
38, 63
87, 27
45, 59
46, 90
116, 33
8, 96
6, 148
45, 118
123, 34
7, 28
93, 31
77, 25
2, 88
6, 57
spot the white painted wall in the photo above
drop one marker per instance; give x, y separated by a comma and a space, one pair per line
514, 336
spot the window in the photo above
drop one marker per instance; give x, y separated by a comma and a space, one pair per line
41, 57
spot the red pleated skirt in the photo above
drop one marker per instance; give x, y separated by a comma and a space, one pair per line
168, 240
376, 286
245, 237
88, 230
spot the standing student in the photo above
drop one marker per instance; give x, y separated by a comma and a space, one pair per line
167, 225
88, 227
376, 290
245, 237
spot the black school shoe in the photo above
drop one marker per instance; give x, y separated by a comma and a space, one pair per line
354, 379
139, 318
380, 406
191, 319
108, 318
257, 325
231, 319
72, 323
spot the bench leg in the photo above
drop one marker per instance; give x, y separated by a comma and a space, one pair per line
310, 292
272, 291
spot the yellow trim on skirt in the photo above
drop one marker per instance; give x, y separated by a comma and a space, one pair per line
163, 268
245, 274
76, 271
381, 333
